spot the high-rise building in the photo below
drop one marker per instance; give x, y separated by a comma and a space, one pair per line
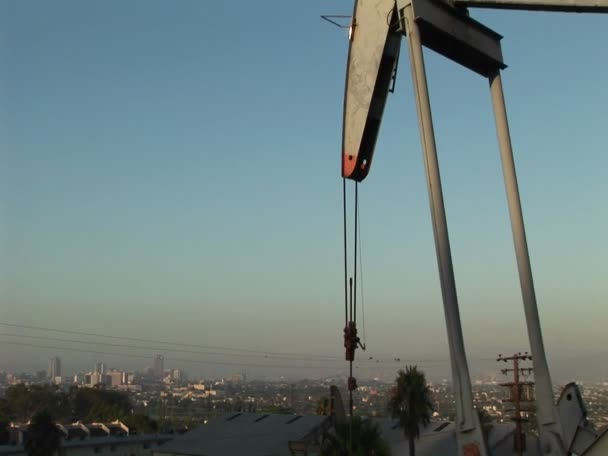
95, 378
114, 378
79, 378
100, 368
177, 375
159, 367
54, 368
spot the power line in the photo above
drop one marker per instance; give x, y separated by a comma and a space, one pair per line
191, 361
179, 344
363, 363
382, 359
157, 349
182, 360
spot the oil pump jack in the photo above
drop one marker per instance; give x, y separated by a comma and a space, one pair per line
446, 27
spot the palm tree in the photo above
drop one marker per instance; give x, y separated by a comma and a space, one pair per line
43, 436
357, 438
411, 403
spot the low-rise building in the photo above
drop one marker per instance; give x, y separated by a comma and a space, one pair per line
91, 439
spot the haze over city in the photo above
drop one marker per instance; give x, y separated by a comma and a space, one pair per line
170, 171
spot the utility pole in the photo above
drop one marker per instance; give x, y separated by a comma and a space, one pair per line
519, 392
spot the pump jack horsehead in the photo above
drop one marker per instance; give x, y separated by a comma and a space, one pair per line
375, 38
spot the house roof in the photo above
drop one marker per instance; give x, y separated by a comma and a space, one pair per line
438, 438
245, 434
255, 434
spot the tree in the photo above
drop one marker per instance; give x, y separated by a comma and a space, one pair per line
93, 404
357, 438
18, 402
410, 401
139, 423
24, 401
5, 410
323, 406
43, 436
4, 430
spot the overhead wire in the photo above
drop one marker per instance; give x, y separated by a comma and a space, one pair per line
160, 349
355, 251
353, 296
178, 350
178, 344
345, 253
361, 275
383, 359
183, 360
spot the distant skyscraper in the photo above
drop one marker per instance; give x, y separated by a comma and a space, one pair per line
95, 378
177, 375
114, 378
159, 367
100, 368
54, 368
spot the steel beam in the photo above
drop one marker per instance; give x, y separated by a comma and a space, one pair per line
372, 57
453, 34
566, 6
548, 424
470, 437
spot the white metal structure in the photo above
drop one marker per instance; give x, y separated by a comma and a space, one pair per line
446, 27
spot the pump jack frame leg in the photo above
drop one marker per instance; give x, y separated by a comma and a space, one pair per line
548, 424
469, 435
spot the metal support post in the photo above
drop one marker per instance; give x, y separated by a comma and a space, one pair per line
546, 413
469, 432
564, 6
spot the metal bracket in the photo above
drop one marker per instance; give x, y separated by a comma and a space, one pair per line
565, 6
394, 77
335, 20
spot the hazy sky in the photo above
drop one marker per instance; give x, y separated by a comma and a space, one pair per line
171, 171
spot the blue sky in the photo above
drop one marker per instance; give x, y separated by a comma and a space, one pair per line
170, 170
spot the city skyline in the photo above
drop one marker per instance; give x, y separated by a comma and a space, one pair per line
564, 370
161, 180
